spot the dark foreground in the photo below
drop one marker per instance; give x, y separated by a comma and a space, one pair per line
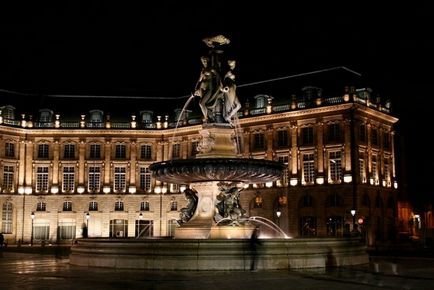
50, 270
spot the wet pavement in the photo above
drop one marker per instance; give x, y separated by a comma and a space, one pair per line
50, 271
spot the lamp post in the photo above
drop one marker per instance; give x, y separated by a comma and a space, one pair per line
87, 224
138, 224
32, 215
353, 213
278, 214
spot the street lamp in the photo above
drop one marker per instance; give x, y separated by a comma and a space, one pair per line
32, 215
353, 213
138, 224
87, 224
278, 214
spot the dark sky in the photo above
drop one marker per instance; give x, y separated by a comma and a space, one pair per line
133, 48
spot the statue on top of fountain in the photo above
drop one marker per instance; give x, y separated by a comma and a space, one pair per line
218, 100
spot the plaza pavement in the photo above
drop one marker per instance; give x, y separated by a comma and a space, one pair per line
49, 268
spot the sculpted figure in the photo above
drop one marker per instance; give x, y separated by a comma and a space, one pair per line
187, 212
216, 90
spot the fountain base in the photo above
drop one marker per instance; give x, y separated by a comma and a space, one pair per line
218, 254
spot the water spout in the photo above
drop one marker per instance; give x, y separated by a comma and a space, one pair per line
182, 113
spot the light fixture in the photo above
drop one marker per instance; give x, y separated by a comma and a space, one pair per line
278, 212
353, 212
140, 216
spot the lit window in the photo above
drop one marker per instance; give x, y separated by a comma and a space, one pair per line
42, 179
335, 167
308, 168
145, 179
120, 177
7, 214
68, 178
8, 178
9, 149
94, 179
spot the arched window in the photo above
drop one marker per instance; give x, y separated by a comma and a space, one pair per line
67, 206
93, 206
119, 206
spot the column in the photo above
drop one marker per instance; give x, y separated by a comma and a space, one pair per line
269, 135
56, 154
107, 160
133, 160
81, 160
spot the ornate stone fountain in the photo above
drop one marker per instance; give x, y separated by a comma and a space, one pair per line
216, 174
214, 233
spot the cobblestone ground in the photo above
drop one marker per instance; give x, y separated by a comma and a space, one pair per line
37, 271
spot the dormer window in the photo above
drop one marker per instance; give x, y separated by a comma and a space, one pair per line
45, 116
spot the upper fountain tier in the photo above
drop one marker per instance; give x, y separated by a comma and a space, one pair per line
184, 171
217, 159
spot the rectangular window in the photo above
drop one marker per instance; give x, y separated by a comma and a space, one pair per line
69, 151
144, 206
94, 179
41, 232
42, 179
362, 133
66, 231
121, 151
145, 179
93, 206
9, 149
68, 178
386, 141
334, 131
374, 170
7, 211
282, 138
95, 151
307, 136
43, 151
119, 206
308, 168
120, 180
259, 141
146, 152
176, 150
67, 206
387, 172
374, 137
335, 166
8, 178
284, 181
362, 168
41, 206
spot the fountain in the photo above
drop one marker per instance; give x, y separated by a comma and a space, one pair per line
214, 231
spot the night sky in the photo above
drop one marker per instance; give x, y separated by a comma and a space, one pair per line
134, 49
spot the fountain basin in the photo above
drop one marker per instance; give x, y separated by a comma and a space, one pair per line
184, 171
218, 254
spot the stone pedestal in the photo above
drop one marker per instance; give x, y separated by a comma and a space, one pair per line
217, 142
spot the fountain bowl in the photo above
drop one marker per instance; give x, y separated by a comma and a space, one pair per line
183, 171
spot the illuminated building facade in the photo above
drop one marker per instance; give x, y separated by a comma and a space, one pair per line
89, 176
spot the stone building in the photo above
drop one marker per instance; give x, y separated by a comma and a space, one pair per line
64, 178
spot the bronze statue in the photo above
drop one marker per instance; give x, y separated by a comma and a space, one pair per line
218, 100
187, 212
